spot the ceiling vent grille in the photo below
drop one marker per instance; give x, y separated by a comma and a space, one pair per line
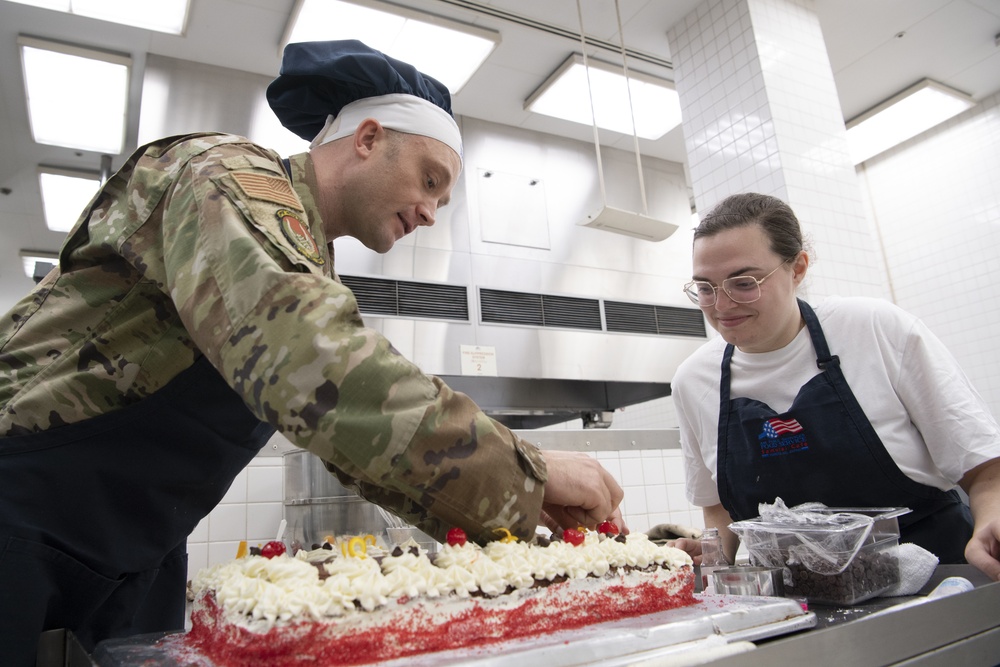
648, 319
540, 310
380, 296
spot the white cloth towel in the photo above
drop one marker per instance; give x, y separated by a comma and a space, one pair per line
916, 565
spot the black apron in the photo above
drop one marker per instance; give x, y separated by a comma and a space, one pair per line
824, 449
94, 516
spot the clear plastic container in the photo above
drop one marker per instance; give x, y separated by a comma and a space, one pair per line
836, 555
873, 570
885, 519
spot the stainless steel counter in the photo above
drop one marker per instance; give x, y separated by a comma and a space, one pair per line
961, 629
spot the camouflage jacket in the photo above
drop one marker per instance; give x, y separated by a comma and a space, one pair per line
202, 245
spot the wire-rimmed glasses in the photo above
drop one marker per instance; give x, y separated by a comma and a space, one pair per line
741, 289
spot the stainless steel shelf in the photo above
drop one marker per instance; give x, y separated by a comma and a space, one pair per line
602, 440
574, 440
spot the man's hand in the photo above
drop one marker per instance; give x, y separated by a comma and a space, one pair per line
579, 492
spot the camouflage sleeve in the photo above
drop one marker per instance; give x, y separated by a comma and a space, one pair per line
291, 341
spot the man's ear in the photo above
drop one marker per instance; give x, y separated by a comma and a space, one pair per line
366, 136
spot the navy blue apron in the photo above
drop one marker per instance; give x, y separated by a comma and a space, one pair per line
824, 449
94, 516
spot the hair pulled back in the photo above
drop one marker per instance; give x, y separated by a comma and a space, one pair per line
774, 217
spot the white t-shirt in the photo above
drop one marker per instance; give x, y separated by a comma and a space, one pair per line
931, 420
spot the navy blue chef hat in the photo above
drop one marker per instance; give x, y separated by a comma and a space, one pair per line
325, 89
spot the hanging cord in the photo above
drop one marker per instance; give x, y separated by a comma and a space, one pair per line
593, 112
631, 109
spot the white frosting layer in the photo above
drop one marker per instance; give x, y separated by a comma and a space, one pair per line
260, 592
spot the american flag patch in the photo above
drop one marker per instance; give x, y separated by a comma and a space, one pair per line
775, 428
267, 188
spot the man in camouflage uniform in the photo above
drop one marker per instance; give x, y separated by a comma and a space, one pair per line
195, 310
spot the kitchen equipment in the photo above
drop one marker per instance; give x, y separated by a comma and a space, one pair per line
61, 648
318, 505
749, 580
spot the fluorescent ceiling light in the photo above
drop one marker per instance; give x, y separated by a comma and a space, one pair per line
64, 194
449, 51
168, 16
903, 116
60, 83
30, 258
565, 94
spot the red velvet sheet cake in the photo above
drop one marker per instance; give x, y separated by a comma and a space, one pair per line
320, 607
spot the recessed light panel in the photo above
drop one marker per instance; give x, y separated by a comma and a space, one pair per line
169, 16
903, 116
449, 51
64, 195
36, 263
64, 106
569, 93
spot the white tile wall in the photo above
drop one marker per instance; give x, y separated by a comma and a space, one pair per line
653, 479
936, 199
251, 510
662, 472
774, 128
653, 482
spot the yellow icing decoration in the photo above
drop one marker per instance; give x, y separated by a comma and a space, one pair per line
358, 547
507, 537
370, 539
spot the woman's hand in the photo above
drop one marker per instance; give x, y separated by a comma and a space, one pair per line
690, 546
982, 483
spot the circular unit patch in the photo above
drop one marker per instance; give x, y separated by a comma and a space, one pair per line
298, 233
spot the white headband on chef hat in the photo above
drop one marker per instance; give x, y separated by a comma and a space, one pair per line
396, 111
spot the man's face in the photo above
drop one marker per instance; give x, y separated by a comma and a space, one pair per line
398, 187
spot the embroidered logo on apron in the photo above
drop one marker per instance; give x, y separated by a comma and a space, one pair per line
779, 437
298, 233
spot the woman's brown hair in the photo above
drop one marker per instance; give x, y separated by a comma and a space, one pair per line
774, 216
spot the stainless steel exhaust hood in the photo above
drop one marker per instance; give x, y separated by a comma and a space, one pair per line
528, 403
549, 344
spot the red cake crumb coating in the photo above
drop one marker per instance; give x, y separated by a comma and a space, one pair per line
323, 608
412, 629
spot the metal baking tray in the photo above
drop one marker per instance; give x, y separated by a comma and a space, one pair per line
713, 621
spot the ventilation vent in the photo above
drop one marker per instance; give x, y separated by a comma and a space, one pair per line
540, 310
379, 296
660, 320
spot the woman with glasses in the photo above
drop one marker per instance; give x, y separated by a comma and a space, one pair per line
852, 403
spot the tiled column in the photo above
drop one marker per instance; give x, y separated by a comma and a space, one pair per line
761, 114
